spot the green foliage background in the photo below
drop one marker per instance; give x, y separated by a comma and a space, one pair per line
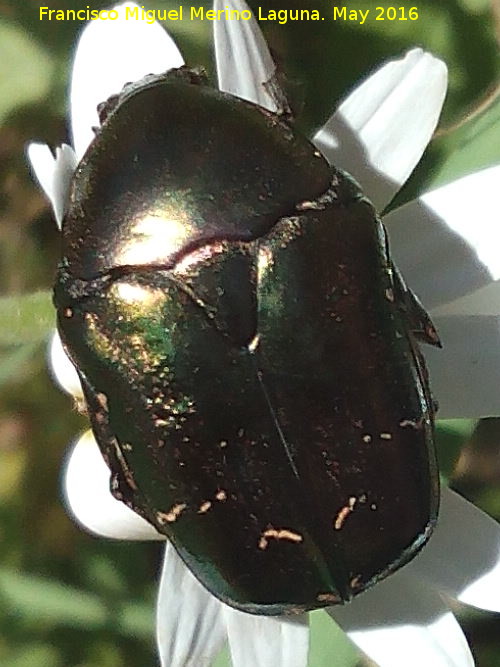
71, 600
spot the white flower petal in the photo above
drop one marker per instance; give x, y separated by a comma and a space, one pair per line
485, 302
446, 247
401, 622
190, 625
446, 242
470, 207
277, 641
109, 54
470, 210
381, 130
66, 162
86, 487
465, 373
244, 64
54, 174
462, 557
43, 164
62, 369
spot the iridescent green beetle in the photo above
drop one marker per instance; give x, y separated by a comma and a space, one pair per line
247, 350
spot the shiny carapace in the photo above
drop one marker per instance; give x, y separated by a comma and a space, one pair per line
248, 352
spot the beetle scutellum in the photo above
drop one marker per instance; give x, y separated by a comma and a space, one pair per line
248, 351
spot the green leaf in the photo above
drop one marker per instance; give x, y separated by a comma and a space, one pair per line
451, 435
136, 620
329, 645
223, 659
102, 574
35, 655
26, 71
26, 318
43, 600
14, 363
471, 147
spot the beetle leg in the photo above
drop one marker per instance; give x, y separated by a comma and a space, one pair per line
275, 89
418, 318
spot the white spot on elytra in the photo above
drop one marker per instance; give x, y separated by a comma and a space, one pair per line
253, 344
278, 534
204, 507
172, 515
344, 513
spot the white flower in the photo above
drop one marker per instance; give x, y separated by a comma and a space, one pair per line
446, 245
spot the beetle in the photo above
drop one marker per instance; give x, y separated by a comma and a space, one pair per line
248, 352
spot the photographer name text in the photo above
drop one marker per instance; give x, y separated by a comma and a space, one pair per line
282, 16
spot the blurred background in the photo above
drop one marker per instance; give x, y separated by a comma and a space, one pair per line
71, 600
